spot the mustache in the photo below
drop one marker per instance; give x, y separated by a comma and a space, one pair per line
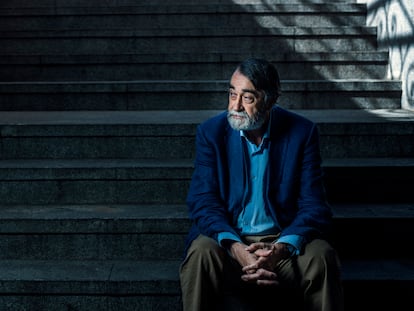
238, 114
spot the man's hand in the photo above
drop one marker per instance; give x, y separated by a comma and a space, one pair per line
261, 277
242, 255
267, 255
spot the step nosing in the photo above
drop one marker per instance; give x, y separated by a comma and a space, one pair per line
96, 218
287, 31
187, 119
66, 272
75, 171
177, 86
167, 10
201, 58
183, 163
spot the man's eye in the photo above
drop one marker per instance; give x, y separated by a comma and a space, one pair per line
248, 99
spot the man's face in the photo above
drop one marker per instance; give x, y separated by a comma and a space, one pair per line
246, 109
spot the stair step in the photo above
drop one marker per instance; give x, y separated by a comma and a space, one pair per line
377, 180
89, 285
128, 285
93, 232
323, 117
171, 16
161, 218
377, 284
101, 218
94, 181
219, 40
178, 66
96, 156
123, 181
373, 226
208, 32
205, 7
58, 4
192, 95
138, 231
171, 134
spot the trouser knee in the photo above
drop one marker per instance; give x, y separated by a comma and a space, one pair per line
321, 257
205, 251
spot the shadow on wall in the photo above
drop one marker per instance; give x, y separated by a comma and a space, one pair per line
395, 22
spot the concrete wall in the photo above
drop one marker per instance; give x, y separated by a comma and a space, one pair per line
395, 22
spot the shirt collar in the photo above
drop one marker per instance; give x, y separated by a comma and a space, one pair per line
266, 134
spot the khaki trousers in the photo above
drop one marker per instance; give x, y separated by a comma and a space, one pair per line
208, 274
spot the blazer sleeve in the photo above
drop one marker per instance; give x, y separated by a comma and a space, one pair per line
206, 196
313, 213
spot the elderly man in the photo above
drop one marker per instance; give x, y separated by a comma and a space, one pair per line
257, 203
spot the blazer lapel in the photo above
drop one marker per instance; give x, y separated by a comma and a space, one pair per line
278, 147
236, 168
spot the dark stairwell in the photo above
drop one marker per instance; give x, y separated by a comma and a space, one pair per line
99, 102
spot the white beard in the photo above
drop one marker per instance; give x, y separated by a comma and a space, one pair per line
245, 122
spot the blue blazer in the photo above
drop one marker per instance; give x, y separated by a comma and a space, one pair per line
294, 192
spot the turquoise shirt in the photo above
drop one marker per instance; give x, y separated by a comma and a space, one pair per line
253, 220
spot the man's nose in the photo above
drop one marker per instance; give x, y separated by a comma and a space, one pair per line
237, 103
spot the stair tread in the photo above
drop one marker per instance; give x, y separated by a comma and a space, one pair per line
209, 82
177, 211
95, 163
88, 277
369, 162
149, 8
217, 58
61, 35
145, 218
99, 3
371, 210
289, 31
127, 96
193, 117
178, 163
158, 276
114, 212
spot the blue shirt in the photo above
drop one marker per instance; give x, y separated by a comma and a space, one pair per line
254, 219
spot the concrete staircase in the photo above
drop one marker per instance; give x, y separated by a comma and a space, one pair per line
99, 101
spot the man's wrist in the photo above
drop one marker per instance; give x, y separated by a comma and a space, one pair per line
289, 250
227, 243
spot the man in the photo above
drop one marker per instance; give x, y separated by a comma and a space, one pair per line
257, 203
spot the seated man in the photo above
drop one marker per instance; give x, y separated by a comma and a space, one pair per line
257, 203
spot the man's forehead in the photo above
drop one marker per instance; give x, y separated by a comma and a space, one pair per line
238, 80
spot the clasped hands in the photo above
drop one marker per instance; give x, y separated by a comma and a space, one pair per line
258, 261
